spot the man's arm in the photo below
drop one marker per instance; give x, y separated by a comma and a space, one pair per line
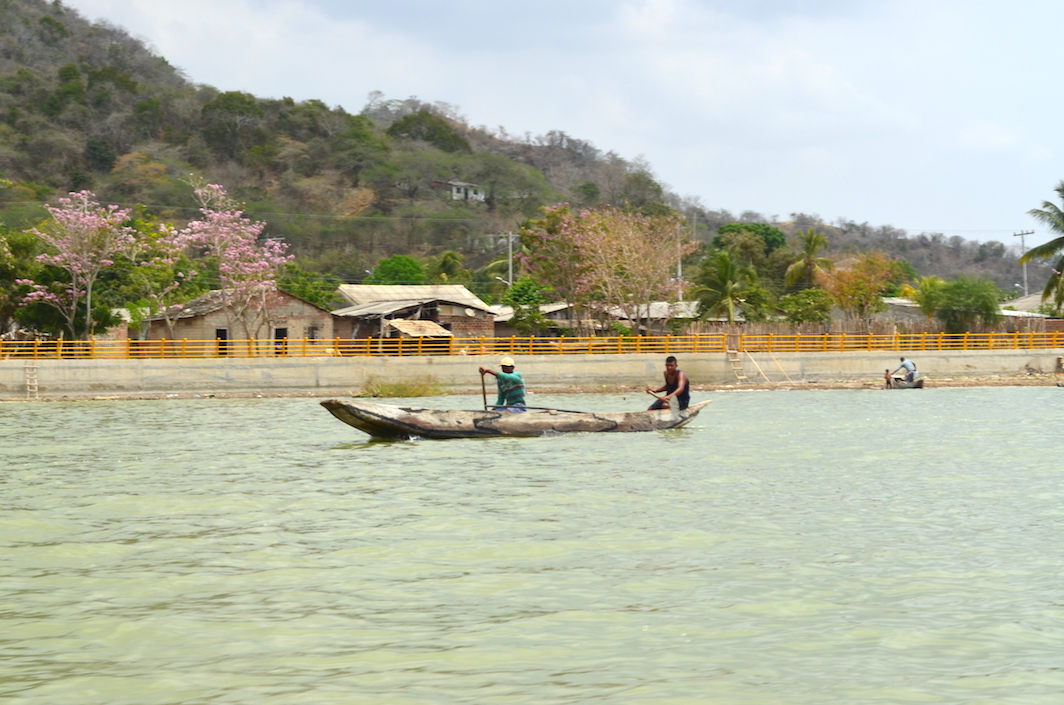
486, 371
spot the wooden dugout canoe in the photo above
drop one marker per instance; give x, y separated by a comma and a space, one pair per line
900, 383
385, 421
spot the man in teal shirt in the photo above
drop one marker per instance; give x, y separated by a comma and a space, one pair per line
511, 386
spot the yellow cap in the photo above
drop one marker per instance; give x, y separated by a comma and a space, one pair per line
507, 362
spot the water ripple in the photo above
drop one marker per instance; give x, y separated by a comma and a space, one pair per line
819, 547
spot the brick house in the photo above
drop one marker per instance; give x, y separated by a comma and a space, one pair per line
207, 318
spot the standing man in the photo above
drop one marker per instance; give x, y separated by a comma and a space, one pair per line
676, 385
910, 370
511, 386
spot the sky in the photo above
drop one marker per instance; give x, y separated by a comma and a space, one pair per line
928, 115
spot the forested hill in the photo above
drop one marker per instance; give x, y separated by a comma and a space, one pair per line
84, 105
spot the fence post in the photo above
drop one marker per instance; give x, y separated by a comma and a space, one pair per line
770, 342
639, 344
965, 342
842, 343
184, 345
668, 339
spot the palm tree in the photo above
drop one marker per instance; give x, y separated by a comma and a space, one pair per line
927, 294
1052, 216
810, 265
724, 281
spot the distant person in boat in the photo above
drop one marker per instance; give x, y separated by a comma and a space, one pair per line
910, 370
511, 386
676, 385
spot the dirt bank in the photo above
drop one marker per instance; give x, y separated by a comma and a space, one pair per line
1033, 380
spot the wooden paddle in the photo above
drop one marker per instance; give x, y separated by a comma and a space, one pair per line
484, 391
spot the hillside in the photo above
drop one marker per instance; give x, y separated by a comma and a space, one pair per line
84, 105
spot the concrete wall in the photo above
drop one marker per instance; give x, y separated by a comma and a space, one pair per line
341, 376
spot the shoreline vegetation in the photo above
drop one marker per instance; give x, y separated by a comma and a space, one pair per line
1018, 380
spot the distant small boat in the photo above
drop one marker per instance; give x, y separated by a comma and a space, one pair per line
386, 421
900, 383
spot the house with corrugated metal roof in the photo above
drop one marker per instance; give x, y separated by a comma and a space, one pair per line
375, 307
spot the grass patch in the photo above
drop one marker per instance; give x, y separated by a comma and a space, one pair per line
422, 386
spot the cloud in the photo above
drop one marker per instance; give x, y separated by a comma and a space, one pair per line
881, 111
987, 137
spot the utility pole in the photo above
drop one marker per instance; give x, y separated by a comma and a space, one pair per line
510, 256
1023, 246
679, 271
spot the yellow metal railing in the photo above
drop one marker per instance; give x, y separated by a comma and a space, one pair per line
667, 345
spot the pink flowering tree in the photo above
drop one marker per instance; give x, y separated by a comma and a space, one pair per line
83, 239
160, 274
7, 284
553, 253
248, 264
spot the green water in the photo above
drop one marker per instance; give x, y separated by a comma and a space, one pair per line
787, 547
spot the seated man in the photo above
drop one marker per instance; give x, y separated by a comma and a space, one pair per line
676, 385
511, 386
910, 369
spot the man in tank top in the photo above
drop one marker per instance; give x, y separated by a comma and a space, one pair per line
676, 385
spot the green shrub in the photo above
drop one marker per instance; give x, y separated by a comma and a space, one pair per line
422, 386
